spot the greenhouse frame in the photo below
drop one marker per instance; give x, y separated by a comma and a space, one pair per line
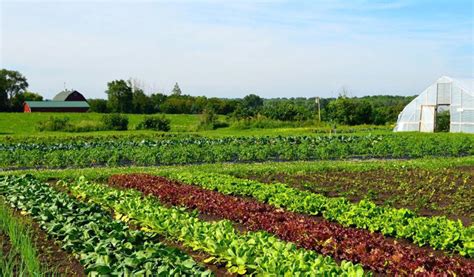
453, 94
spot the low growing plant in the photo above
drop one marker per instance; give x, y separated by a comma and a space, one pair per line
155, 122
54, 124
116, 122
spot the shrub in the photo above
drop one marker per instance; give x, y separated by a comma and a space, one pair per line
115, 121
86, 126
54, 124
158, 123
209, 121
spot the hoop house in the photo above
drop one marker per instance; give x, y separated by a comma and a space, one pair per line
453, 94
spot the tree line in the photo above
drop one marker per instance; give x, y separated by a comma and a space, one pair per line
125, 96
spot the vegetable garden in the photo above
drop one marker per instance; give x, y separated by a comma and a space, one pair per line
167, 150
195, 215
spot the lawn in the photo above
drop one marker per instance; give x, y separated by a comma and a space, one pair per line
26, 123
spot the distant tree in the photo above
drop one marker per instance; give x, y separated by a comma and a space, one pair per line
11, 84
176, 90
252, 102
342, 110
120, 97
156, 100
97, 105
141, 102
223, 106
248, 107
177, 105
363, 113
350, 111
20, 98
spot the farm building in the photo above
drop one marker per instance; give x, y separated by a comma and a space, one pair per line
65, 101
455, 95
67, 95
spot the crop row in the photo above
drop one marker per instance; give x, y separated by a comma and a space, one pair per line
22, 257
184, 150
438, 232
250, 252
105, 246
371, 250
445, 191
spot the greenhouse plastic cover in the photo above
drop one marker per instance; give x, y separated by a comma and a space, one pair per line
455, 94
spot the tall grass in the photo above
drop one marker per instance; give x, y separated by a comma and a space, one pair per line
23, 258
8, 265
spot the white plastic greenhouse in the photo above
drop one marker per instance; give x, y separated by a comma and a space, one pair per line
453, 94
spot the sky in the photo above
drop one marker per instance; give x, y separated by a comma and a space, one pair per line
234, 48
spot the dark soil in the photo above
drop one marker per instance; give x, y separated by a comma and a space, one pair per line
445, 192
56, 259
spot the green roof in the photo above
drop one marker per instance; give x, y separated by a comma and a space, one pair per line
57, 104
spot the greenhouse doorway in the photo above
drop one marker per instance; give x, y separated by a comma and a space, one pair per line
427, 120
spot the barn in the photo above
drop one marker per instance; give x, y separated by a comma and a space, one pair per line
65, 101
69, 95
455, 95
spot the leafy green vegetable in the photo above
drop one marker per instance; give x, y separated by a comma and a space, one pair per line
252, 252
438, 232
104, 246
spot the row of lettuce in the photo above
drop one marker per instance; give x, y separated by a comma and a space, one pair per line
104, 246
249, 252
437, 232
372, 250
108, 246
194, 149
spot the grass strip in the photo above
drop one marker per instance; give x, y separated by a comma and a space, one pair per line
9, 265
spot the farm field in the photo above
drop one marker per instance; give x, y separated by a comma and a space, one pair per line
189, 204
236, 138
169, 149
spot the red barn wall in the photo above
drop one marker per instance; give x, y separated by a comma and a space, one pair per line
26, 108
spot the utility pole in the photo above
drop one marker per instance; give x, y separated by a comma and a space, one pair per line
318, 101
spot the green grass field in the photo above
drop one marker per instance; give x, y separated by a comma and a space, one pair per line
25, 124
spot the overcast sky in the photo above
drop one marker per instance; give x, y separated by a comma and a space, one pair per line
233, 48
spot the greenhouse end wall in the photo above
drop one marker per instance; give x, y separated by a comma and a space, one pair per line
457, 94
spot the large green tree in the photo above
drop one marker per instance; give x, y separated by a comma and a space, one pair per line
12, 83
350, 111
20, 98
97, 105
141, 102
120, 97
